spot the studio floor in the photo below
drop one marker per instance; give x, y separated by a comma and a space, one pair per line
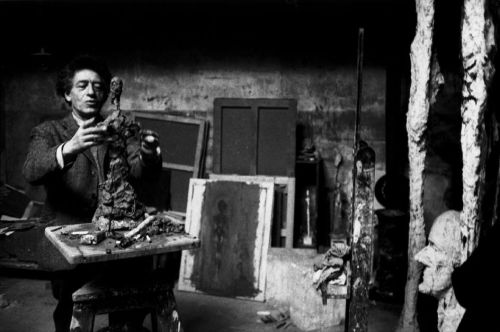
26, 305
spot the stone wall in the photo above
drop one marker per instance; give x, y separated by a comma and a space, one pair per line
326, 102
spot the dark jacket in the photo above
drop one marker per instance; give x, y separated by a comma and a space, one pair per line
477, 285
72, 192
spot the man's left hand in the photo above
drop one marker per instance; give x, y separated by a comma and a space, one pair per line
150, 145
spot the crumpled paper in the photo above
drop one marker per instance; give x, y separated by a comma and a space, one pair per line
331, 268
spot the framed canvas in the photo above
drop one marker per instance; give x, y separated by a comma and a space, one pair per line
282, 225
232, 219
182, 143
255, 136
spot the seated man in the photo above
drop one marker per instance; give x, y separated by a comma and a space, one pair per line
69, 157
458, 287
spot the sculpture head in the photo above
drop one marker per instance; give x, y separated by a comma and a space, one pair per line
441, 255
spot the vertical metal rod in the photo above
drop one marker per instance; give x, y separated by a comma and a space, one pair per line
359, 74
359, 77
352, 310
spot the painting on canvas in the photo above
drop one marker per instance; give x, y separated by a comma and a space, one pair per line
232, 220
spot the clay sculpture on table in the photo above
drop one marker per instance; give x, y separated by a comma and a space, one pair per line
118, 206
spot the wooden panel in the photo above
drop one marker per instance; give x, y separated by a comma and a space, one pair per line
182, 141
278, 235
254, 136
76, 253
276, 141
169, 192
156, 191
285, 221
178, 136
179, 181
232, 220
236, 134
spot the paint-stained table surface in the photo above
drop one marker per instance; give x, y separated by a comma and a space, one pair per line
77, 253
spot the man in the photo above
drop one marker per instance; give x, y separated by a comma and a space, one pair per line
69, 158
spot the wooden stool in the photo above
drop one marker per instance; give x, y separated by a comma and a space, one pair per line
105, 295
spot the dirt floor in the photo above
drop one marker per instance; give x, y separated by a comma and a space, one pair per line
26, 305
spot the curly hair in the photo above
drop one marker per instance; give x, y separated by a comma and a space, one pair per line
65, 76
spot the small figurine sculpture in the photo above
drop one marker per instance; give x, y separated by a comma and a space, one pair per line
118, 206
115, 92
440, 257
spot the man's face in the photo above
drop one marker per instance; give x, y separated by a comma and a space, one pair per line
437, 272
87, 94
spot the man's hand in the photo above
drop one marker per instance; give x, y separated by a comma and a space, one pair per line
85, 137
150, 146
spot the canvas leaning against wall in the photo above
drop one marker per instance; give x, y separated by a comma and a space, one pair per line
232, 219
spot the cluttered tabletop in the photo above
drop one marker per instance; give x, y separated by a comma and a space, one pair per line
84, 243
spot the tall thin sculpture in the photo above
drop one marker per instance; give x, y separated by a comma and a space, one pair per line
478, 46
362, 215
416, 124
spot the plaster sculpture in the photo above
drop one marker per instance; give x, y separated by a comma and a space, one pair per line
478, 50
440, 257
416, 125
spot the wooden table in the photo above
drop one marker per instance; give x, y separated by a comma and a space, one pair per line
98, 296
76, 253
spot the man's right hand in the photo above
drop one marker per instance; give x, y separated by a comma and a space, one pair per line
85, 137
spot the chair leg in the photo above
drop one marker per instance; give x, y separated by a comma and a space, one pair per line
83, 318
167, 315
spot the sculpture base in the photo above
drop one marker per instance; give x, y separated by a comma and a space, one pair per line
103, 224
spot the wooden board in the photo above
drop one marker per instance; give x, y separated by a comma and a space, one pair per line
232, 219
254, 136
182, 142
76, 253
286, 222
